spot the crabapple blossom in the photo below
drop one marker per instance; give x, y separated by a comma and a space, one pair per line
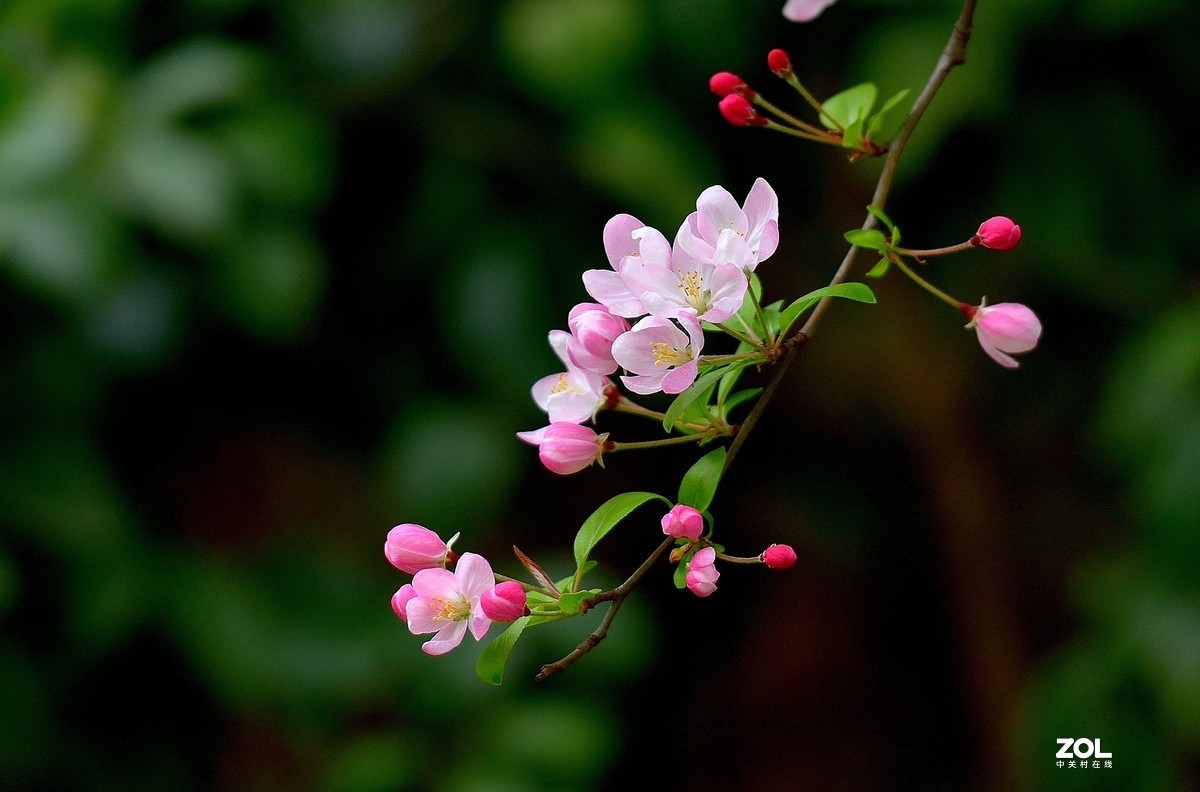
755, 223
660, 355
997, 233
702, 572
621, 245
683, 522
411, 548
779, 62
738, 111
1004, 329
779, 556
712, 289
574, 395
400, 600
805, 10
447, 603
566, 448
725, 83
504, 602
593, 330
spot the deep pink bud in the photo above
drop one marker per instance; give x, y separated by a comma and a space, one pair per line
779, 556
779, 62
400, 600
683, 522
593, 330
727, 83
411, 548
997, 233
702, 573
566, 448
1005, 329
504, 602
739, 112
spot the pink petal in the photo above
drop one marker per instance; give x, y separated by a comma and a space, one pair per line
678, 379
805, 10
474, 575
446, 639
618, 237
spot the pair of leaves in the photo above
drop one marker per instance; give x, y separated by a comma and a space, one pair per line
874, 239
852, 110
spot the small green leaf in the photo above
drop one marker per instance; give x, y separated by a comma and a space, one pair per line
884, 125
858, 292
853, 135
850, 106
699, 484
490, 665
881, 216
697, 389
565, 583
570, 602
680, 576
728, 382
604, 519
736, 399
880, 269
871, 239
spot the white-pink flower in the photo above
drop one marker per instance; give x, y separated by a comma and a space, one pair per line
755, 223
447, 603
660, 355
1005, 329
683, 522
607, 287
411, 548
702, 572
566, 448
670, 282
572, 396
805, 10
593, 329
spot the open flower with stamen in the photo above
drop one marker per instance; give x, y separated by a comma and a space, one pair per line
702, 572
661, 356
447, 603
623, 244
675, 283
756, 222
574, 395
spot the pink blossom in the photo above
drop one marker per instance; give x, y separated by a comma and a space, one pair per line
566, 448
504, 602
805, 10
779, 63
574, 395
997, 233
725, 83
738, 111
593, 329
720, 230
702, 572
660, 355
447, 603
400, 600
620, 244
411, 548
671, 282
779, 556
683, 522
1004, 329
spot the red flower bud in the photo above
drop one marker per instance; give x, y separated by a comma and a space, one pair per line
739, 112
997, 233
779, 556
726, 83
780, 63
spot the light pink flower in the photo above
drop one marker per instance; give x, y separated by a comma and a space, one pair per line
997, 233
779, 556
447, 603
711, 289
702, 572
566, 448
805, 10
504, 602
593, 329
572, 396
660, 355
620, 244
755, 223
400, 600
683, 522
411, 548
1004, 329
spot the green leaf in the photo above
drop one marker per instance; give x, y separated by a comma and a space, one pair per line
680, 576
565, 583
728, 382
569, 603
881, 216
850, 106
884, 125
853, 135
597, 526
697, 389
736, 400
858, 292
700, 482
871, 239
880, 269
490, 665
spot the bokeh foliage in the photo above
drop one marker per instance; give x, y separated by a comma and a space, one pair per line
276, 275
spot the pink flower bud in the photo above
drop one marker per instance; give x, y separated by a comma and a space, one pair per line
593, 330
504, 602
997, 233
739, 112
726, 83
566, 448
1004, 329
779, 62
683, 522
779, 556
411, 548
400, 600
702, 573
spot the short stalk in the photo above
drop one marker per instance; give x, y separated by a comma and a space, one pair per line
812, 100
943, 251
929, 287
640, 444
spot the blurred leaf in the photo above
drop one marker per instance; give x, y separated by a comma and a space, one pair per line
271, 281
850, 106
871, 239
699, 484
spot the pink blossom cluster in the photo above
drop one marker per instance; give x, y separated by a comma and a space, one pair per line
647, 314
447, 603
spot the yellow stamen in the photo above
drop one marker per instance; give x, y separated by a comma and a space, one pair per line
449, 610
667, 355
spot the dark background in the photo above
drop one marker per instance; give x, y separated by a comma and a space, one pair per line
276, 275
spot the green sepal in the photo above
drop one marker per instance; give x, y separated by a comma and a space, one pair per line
679, 578
869, 238
882, 217
699, 484
603, 520
490, 665
859, 292
848, 107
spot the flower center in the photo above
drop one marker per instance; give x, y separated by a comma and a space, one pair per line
691, 283
667, 355
562, 386
450, 609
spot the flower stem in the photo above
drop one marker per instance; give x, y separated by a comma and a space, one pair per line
958, 305
634, 446
922, 254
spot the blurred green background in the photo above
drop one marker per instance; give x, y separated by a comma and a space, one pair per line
276, 275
